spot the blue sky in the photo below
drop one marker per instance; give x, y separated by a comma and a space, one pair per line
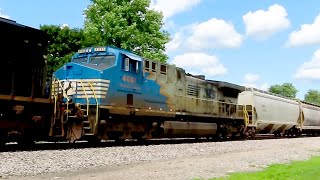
253, 43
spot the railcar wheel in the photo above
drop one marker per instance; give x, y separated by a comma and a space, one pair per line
94, 140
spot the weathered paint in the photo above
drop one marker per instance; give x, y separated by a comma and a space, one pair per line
130, 89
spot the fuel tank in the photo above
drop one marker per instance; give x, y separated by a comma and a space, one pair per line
188, 129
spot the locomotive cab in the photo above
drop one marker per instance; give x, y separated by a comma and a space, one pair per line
98, 77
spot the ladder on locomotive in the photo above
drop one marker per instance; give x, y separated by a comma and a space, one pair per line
58, 123
88, 125
248, 113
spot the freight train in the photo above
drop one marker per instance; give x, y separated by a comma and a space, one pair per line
121, 96
24, 104
108, 93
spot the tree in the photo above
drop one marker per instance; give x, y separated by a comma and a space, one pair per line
312, 96
286, 89
130, 25
64, 42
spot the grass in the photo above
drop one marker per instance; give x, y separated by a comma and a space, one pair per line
298, 170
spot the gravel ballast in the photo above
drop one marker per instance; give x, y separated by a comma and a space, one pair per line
178, 161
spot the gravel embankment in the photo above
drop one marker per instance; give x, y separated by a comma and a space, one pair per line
193, 160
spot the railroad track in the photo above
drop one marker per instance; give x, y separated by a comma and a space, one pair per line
38, 146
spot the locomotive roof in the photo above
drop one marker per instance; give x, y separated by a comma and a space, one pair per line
17, 30
28, 41
223, 84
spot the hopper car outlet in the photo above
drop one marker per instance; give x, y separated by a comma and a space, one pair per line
107, 93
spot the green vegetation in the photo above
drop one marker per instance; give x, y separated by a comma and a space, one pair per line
130, 25
312, 96
124, 24
286, 89
297, 170
64, 42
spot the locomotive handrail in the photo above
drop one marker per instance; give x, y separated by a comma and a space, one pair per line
85, 94
97, 106
213, 101
64, 95
53, 120
191, 97
246, 116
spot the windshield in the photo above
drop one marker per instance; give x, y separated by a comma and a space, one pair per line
102, 62
97, 62
80, 60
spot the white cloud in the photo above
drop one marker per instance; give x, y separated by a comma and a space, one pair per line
4, 15
310, 69
64, 26
170, 8
263, 24
200, 64
309, 34
214, 33
175, 43
251, 80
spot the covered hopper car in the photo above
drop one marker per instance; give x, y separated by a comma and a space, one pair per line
271, 113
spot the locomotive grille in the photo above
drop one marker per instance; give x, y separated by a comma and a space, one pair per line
193, 90
77, 89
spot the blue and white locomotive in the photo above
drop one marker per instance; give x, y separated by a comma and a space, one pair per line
112, 93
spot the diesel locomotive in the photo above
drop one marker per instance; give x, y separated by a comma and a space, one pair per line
115, 94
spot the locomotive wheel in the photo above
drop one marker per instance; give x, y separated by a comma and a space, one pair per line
2, 139
93, 140
2, 142
26, 142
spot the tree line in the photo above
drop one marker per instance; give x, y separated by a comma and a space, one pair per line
130, 25
288, 90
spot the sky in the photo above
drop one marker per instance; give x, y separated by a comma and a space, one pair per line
247, 42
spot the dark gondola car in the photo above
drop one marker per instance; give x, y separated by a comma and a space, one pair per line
24, 104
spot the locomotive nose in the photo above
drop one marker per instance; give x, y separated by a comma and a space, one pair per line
69, 69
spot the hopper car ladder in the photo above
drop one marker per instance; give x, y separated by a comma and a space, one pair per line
248, 115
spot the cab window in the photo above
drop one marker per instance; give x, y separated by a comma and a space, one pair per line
80, 60
102, 62
130, 65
